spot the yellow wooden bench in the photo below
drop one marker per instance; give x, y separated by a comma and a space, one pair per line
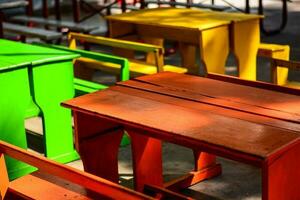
276, 51
276, 63
137, 67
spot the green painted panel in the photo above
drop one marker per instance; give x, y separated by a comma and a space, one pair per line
53, 84
18, 53
15, 98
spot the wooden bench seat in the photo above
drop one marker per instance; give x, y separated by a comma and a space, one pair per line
32, 187
30, 31
77, 27
137, 67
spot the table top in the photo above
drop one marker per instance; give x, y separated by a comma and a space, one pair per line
182, 17
16, 54
250, 120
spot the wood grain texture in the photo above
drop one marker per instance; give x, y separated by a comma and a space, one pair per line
180, 122
280, 177
225, 94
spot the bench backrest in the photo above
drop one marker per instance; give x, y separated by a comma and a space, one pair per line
84, 86
117, 43
89, 181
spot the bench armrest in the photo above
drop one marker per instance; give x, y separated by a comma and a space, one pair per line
137, 46
94, 183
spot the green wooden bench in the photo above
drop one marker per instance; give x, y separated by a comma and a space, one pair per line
84, 86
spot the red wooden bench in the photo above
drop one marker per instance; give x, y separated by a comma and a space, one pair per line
250, 122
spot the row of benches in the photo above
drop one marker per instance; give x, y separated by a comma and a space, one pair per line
84, 67
43, 34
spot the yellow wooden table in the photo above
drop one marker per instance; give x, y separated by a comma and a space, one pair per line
213, 32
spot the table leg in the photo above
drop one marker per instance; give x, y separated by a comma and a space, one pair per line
281, 177
147, 160
246, 39
214, 49
53, 84
97, 141
15, 93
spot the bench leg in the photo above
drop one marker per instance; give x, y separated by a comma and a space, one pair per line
147, 160
282, 72
97, 142
150, 58
281, 177
246, 39
15, 99
214, 49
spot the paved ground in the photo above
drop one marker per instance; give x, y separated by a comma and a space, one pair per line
238, 181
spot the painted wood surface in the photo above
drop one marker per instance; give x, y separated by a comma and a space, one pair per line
241, 120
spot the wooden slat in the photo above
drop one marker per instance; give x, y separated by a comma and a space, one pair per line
29, 31
94, 183
224, 94
177, 123
195, 5
115, 42
14, 4
211, 109
57, 23
4, 182
36, 188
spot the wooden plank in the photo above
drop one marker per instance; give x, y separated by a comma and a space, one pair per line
14, 4
234, 96
36, 188
211, 109
57, 23
4, 177
29, 31
181, 123
87, 180
256, 84
195, 5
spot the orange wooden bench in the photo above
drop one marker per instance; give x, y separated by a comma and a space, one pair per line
250, 122
57, 181
33, 187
